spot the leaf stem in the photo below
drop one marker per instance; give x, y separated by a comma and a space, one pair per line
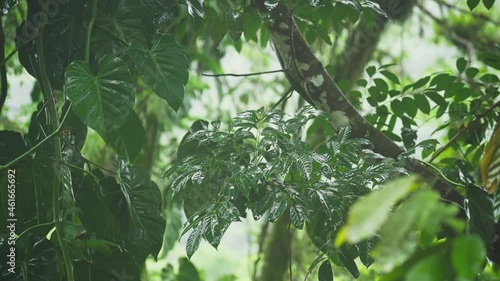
54, 120
89, 30
34, 148
33, 227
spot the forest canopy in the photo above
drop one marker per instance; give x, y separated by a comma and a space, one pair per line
322, 139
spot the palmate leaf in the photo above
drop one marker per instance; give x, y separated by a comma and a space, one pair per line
163, 66
144, 207
102, 100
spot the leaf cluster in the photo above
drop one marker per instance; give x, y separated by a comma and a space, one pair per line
261, 165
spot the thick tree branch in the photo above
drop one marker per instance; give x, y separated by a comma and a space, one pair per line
304, 70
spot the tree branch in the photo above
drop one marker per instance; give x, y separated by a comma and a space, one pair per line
244, 74
311, 76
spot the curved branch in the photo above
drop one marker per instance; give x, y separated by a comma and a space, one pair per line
311, 76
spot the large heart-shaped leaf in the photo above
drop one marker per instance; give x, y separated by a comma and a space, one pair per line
63, 37
163, 67
102, 99
144, 206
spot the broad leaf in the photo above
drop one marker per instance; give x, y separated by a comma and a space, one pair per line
144, 207
369, 213
102, 99
163, 66
467, 256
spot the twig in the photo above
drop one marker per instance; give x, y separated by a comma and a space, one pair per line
243, 75
284, 97
457, 135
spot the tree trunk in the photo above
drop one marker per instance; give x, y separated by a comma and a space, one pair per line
277, 253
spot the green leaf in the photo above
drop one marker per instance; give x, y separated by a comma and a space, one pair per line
12, 145
467, 256
430, 268
437, 98
234, 23
278, 207
187, 271
410, 106
422, 103
397, 107
391, 76
128, 140
325, 272
163, 67
479, 206
461, 64
64, 39
369, 213
471, 72
399, 232
217, 28
144, 207
103, 99
35, 257
371, 70
123, 19
119, 265
488, 3
193, 241
422, 82
472, 4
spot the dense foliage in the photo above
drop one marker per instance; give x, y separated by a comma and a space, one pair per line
363, 187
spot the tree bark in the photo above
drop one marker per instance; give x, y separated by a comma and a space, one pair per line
277, 253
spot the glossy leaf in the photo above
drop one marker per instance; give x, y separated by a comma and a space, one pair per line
102, 99
163, 67
144, 207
